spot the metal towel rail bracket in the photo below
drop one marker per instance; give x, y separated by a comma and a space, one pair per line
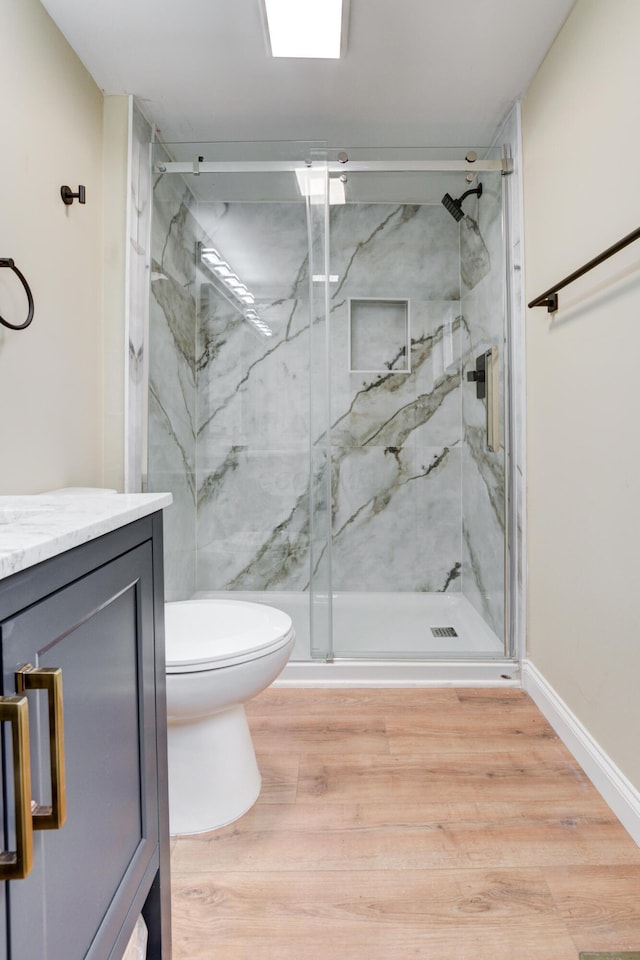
549, 298
8, 262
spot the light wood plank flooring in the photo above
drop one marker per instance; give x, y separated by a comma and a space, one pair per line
396, 824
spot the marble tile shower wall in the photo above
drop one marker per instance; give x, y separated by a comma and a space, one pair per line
140, 200
253, 405
483, 472
172, 377
406, 449
396, 436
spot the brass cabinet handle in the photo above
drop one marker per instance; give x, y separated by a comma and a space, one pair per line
16, 865
49, 679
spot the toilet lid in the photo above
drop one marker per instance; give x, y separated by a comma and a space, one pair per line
202, 632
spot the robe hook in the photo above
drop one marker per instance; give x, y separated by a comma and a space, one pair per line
68, 196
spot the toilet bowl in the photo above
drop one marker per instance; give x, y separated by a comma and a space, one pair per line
219, 653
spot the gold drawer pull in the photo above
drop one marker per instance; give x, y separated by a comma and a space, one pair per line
16, 866
49, 679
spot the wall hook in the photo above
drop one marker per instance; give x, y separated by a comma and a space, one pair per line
68, 196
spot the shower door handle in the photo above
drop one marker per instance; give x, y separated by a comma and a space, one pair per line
479, 376
486, 377
493, 400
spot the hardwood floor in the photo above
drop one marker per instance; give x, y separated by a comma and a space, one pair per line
398, 824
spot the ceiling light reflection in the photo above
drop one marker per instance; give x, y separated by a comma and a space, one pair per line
313, 184
233, 288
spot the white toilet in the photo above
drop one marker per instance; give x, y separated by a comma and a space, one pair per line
220, 653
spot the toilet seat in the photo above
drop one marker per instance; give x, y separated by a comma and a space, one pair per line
238, 632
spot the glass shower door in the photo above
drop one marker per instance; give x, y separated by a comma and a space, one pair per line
314, 321
417, 450
320, 587
238, 319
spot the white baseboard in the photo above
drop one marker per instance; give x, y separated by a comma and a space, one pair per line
390, 673
617, 791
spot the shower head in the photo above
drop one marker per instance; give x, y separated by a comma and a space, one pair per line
455, 206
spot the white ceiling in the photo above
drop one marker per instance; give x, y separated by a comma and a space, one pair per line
416, 72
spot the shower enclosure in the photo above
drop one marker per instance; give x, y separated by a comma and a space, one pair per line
328, 391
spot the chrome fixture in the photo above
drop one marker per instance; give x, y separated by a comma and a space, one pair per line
503, 165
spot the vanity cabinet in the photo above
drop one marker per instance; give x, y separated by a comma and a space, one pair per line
94, 613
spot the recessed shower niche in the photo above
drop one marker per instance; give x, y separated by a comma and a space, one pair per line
332, 460
379, 336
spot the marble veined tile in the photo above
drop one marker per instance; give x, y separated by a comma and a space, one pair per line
178, 307
475, 259
252, 387
265, 244
172, 385
439, 523
179, 532
387, 250
385, 409
253, 519
406, 447
364, 480
379, 335
140, 190
403, 531
171, 389
483, 471
174, 233
481, 236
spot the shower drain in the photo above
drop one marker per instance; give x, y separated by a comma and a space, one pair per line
444, 632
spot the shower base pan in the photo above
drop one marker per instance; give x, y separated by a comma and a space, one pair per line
393, 626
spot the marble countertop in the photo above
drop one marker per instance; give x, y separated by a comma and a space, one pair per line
35, 528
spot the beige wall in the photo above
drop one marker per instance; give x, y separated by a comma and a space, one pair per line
581, 145
51, 375
116, 162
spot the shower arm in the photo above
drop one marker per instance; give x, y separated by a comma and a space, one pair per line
467, 193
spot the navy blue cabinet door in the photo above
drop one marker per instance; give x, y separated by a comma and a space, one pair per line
78, 899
